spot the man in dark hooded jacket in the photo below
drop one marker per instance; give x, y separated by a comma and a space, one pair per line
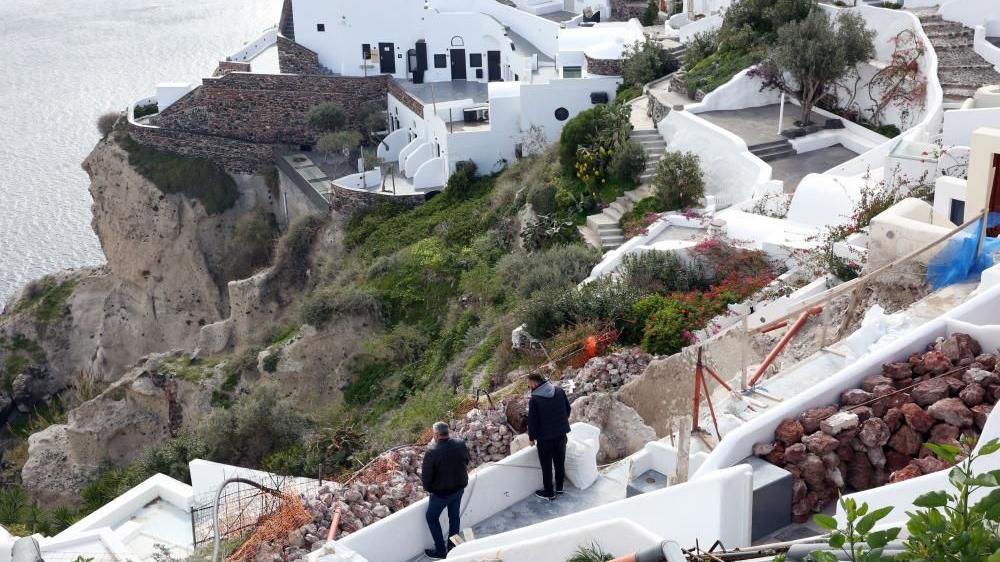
444, 474
548, 424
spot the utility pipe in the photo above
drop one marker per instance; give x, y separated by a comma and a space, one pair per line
784, 341
333, 525
666, 551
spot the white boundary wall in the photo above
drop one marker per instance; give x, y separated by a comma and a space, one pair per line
973, 13
716, 507
738, 444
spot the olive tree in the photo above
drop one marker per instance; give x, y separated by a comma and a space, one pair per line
327, 116
678, 181
811, 54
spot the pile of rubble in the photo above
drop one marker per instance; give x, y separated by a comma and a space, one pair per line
605, 374
876, 435
388, 485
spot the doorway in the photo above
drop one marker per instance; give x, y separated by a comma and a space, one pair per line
458, 64
493, 66
387, 58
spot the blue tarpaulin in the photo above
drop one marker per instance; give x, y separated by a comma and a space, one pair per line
957, 260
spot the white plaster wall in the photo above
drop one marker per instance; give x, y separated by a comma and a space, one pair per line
731, 173
254, 48
704, 25
415, 159
738, 443
716, 507
542, 33
432, 173
985, 49
972, 13
540, 101
388, 149
821, 200
945, 189
617, 536
742, 91
959, 124
901, 229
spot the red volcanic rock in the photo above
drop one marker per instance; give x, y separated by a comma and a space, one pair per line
897, 370
987, 360
820, 443
936, 362
944, 433
859, 473
951, 411
917, 418
776, 456
795, 453
931, 464
906, 473
863, 413
929, 392
893, 418
906, 441
811, 418
789, 431
973, 394
874, 433
872, 381
957, 347
763, 449
813, 471
855, 396
981, 376
895, 461
799, 490
980, 413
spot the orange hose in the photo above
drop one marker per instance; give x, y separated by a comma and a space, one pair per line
784, 341
333, 525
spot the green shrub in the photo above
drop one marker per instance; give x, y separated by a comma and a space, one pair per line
421, 410
719, 68
558, 267
668, 329
327, 116
547, 231
197, 178
592, 553
145, 110
660, 272
252, 243
645, 61
462, 181
367, 384
339, 142
252, 428
651, 14
13, 501
270, 362
47, 299
700, 47
578, 131
678, 181
327, 302
627, 93
640, 216
291, 257
542, 198
628, 162
889, 130
106, 122
634, 324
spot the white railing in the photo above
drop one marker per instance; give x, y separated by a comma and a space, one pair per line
256, 47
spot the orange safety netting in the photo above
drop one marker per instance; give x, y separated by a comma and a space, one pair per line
274, 526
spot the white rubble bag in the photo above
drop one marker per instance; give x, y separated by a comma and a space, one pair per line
581, 454
877, 329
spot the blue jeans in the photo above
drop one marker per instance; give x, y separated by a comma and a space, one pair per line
437, 504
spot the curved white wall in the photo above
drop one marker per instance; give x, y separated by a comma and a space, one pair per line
392, 144
431, 174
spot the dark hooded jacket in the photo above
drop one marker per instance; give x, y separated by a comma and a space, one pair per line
548, 412
445, 468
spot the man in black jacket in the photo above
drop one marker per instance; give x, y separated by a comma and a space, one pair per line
445, 475
548, 424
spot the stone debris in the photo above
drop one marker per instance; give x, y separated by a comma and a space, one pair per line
388, 485
605, 374
876, 435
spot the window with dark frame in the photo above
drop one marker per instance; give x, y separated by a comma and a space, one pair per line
476, 60
440, 61
366, 51
320, 27
572, 72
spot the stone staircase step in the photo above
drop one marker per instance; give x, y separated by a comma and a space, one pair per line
612, 242
769, 145
776, 154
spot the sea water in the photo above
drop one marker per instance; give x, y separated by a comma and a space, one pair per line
62, 64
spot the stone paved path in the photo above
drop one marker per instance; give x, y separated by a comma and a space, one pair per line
961, 70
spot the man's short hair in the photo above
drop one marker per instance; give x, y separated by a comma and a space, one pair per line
441, 428
535, 377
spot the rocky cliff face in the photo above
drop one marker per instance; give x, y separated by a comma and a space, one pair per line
160, 284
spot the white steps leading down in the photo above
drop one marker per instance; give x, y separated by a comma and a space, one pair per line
541, 7
602, 229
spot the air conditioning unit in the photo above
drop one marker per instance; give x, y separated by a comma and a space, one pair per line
598, 97
477, 114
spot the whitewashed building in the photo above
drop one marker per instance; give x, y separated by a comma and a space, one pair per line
473, 79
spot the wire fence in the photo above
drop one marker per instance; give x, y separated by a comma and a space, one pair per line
249, 515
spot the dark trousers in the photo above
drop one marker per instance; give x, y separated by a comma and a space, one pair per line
552, 452
437, 504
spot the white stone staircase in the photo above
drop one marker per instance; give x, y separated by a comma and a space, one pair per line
602, 230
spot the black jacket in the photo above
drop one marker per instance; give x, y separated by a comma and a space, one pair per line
548, 413
445, 471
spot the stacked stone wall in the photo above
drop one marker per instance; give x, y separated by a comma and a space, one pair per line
405, 98
604, 67
296, 59
268, 108
624, 10
351, 201
227, 66
234, 155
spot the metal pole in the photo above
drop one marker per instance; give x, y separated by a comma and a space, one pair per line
744, 341
781, 112
986, 209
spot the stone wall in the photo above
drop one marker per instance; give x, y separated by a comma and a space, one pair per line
267, 108
624, 10
406, 99
604, 67
350, 201
296, 59
234, 155
227, 66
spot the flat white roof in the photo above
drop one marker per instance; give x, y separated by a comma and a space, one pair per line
603, 40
